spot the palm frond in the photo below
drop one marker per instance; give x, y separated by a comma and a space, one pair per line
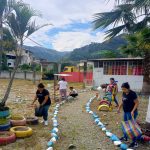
122, 13
32, 27
3, 4
114, 31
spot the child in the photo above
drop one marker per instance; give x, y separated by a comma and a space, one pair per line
73, 92
102, 90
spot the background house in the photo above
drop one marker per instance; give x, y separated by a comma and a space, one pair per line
122, 69
26, 58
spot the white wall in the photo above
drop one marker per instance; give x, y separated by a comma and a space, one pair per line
135, 82
20, 75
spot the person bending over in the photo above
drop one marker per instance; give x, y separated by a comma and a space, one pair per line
43, 97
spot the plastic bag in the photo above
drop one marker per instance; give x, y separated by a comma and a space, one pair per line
131, 129
39, 111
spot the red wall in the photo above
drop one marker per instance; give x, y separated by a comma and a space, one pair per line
77, 76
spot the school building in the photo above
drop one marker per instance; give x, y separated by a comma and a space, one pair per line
122, 69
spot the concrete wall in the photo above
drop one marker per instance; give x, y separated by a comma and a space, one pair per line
135, 82
20, 75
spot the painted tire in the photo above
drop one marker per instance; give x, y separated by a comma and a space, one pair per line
21, 131
4, 113
10, 137
104, 108
146, 138
104, 102
145, 129
106, 98
32, 120
4, 121
18, 121
5, 127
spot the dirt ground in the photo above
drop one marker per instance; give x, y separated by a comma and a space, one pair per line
76, 126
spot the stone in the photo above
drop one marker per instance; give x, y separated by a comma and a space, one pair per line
71, 146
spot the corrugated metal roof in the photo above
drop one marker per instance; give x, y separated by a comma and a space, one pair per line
105, 59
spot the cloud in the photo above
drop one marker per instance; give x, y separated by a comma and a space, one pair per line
40, 38
67, 41
62, 14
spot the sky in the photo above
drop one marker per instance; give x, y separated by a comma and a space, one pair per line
71, 19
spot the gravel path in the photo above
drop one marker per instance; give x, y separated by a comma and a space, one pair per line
77, 128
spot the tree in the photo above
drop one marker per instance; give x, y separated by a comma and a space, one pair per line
3, 4
25, 67
139, 45
130, 17
21, 27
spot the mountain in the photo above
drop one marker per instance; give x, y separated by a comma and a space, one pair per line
48, 54
105, 49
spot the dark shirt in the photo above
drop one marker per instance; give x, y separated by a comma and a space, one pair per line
128, 101
41, 96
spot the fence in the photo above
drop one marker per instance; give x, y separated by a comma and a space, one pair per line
20, 75
78, 76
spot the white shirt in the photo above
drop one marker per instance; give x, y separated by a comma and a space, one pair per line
62, 85
74, 91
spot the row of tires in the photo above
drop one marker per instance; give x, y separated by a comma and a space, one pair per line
7, 137
5, 124
105, 105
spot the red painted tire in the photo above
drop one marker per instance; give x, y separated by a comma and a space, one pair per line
7, 137
146, 138
102, 102
18, 121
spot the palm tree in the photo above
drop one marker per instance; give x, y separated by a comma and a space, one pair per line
127, 13
3, 5
21, 27
139, 45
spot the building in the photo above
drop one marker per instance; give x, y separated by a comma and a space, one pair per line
122, 69
26, 58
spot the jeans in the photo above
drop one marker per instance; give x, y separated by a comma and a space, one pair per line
116, 101
127, 115
45, 112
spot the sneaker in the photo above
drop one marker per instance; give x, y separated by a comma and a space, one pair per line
42, 121
123, 139
46, 123
133, 145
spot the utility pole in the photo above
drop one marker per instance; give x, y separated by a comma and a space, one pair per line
85, 72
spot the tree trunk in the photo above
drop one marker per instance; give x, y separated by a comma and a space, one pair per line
148, 113
1, 44
10, 83
146, 80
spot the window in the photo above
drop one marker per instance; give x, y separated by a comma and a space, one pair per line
115, 67
135, 67
100, 64
96, 64
9, 64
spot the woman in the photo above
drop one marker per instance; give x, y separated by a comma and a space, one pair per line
130, 104
113, 89
44, 100
63, 88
